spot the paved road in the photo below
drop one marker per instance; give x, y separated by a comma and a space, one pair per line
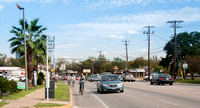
139, 95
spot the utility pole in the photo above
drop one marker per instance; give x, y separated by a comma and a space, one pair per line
127, 69
100, 63
149, 33
175, 25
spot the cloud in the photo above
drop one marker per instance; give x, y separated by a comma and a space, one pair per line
1, 7
106, 4
47, 1
94, 49
188, 14
10, 1
120, 27
115, 37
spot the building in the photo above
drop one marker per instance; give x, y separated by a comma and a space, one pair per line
138, 73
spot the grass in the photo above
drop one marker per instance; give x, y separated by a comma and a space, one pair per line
2, 104
48, 105
62, 92
195, 81
23, 92
61, 82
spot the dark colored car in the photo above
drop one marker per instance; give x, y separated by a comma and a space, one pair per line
93, 78
161, 79
109, 83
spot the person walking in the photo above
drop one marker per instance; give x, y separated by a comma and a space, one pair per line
73, 80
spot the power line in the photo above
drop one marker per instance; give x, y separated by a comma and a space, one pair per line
8, 20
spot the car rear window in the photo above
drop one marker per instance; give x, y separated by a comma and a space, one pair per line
110, 78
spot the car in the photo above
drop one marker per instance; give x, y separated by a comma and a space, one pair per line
160, 78
128, 77
146, 78
13, 78
93, 78
109, 83
106, 73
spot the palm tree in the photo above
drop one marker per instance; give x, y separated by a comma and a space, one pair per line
35, 42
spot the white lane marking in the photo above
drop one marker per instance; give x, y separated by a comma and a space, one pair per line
98, 99
167, 102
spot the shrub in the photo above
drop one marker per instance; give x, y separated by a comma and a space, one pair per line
40, 78
6, 85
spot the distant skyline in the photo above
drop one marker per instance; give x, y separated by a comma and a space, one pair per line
90, 26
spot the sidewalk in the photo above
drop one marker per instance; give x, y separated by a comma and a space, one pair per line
34, 98
27, 101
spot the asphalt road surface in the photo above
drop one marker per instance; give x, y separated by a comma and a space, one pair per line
139, 94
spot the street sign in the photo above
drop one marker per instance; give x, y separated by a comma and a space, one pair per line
51, 38
20, 85
185, 65
119, 60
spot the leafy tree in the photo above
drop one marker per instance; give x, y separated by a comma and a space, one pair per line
187, 44
193, 64
33, 34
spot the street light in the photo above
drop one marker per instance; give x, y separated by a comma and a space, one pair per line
20, 8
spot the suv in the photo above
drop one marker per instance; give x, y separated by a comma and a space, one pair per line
128, 77
161, 79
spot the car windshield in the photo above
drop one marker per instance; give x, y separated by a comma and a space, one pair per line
110, 78
94, 76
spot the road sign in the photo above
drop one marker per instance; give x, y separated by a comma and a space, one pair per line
51, 39
20, 85
185, 65
119, 60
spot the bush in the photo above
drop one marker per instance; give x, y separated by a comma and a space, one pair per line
6, 85
40, 78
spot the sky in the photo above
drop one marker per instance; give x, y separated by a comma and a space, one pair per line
82, 28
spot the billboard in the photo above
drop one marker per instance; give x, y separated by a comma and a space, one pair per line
86, 70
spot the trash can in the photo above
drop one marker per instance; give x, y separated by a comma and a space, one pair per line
51, 89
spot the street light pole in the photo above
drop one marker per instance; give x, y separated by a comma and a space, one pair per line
26, 74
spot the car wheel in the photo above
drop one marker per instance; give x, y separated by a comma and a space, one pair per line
163, 83
151, 82
131, 81
121, 91
171, 84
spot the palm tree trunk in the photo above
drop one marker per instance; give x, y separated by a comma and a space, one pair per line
30, 67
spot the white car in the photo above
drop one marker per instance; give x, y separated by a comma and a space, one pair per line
13, 78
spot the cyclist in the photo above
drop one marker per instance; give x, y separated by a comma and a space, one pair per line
81, 81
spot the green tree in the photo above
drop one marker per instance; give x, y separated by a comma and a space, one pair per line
34, 32
187, 44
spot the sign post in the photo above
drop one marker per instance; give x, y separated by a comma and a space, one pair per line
185, 66
50, 51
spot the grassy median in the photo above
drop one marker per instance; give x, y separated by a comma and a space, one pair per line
2, 104
195, 81
23, 93
62, 93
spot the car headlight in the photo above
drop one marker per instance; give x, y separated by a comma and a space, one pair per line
105, 84
120, 85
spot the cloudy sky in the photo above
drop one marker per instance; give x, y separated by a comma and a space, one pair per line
90, 26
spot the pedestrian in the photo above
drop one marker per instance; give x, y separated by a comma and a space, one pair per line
73, 80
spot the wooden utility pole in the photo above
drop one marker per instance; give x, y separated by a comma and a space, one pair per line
100, 63
127, 68
175, 25
149, 33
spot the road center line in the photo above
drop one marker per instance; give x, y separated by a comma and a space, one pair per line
98, 99
167, 102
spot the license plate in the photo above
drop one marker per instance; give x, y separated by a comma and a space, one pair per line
167, 79
113, 88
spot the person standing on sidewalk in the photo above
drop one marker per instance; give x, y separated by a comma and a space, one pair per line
73, 80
